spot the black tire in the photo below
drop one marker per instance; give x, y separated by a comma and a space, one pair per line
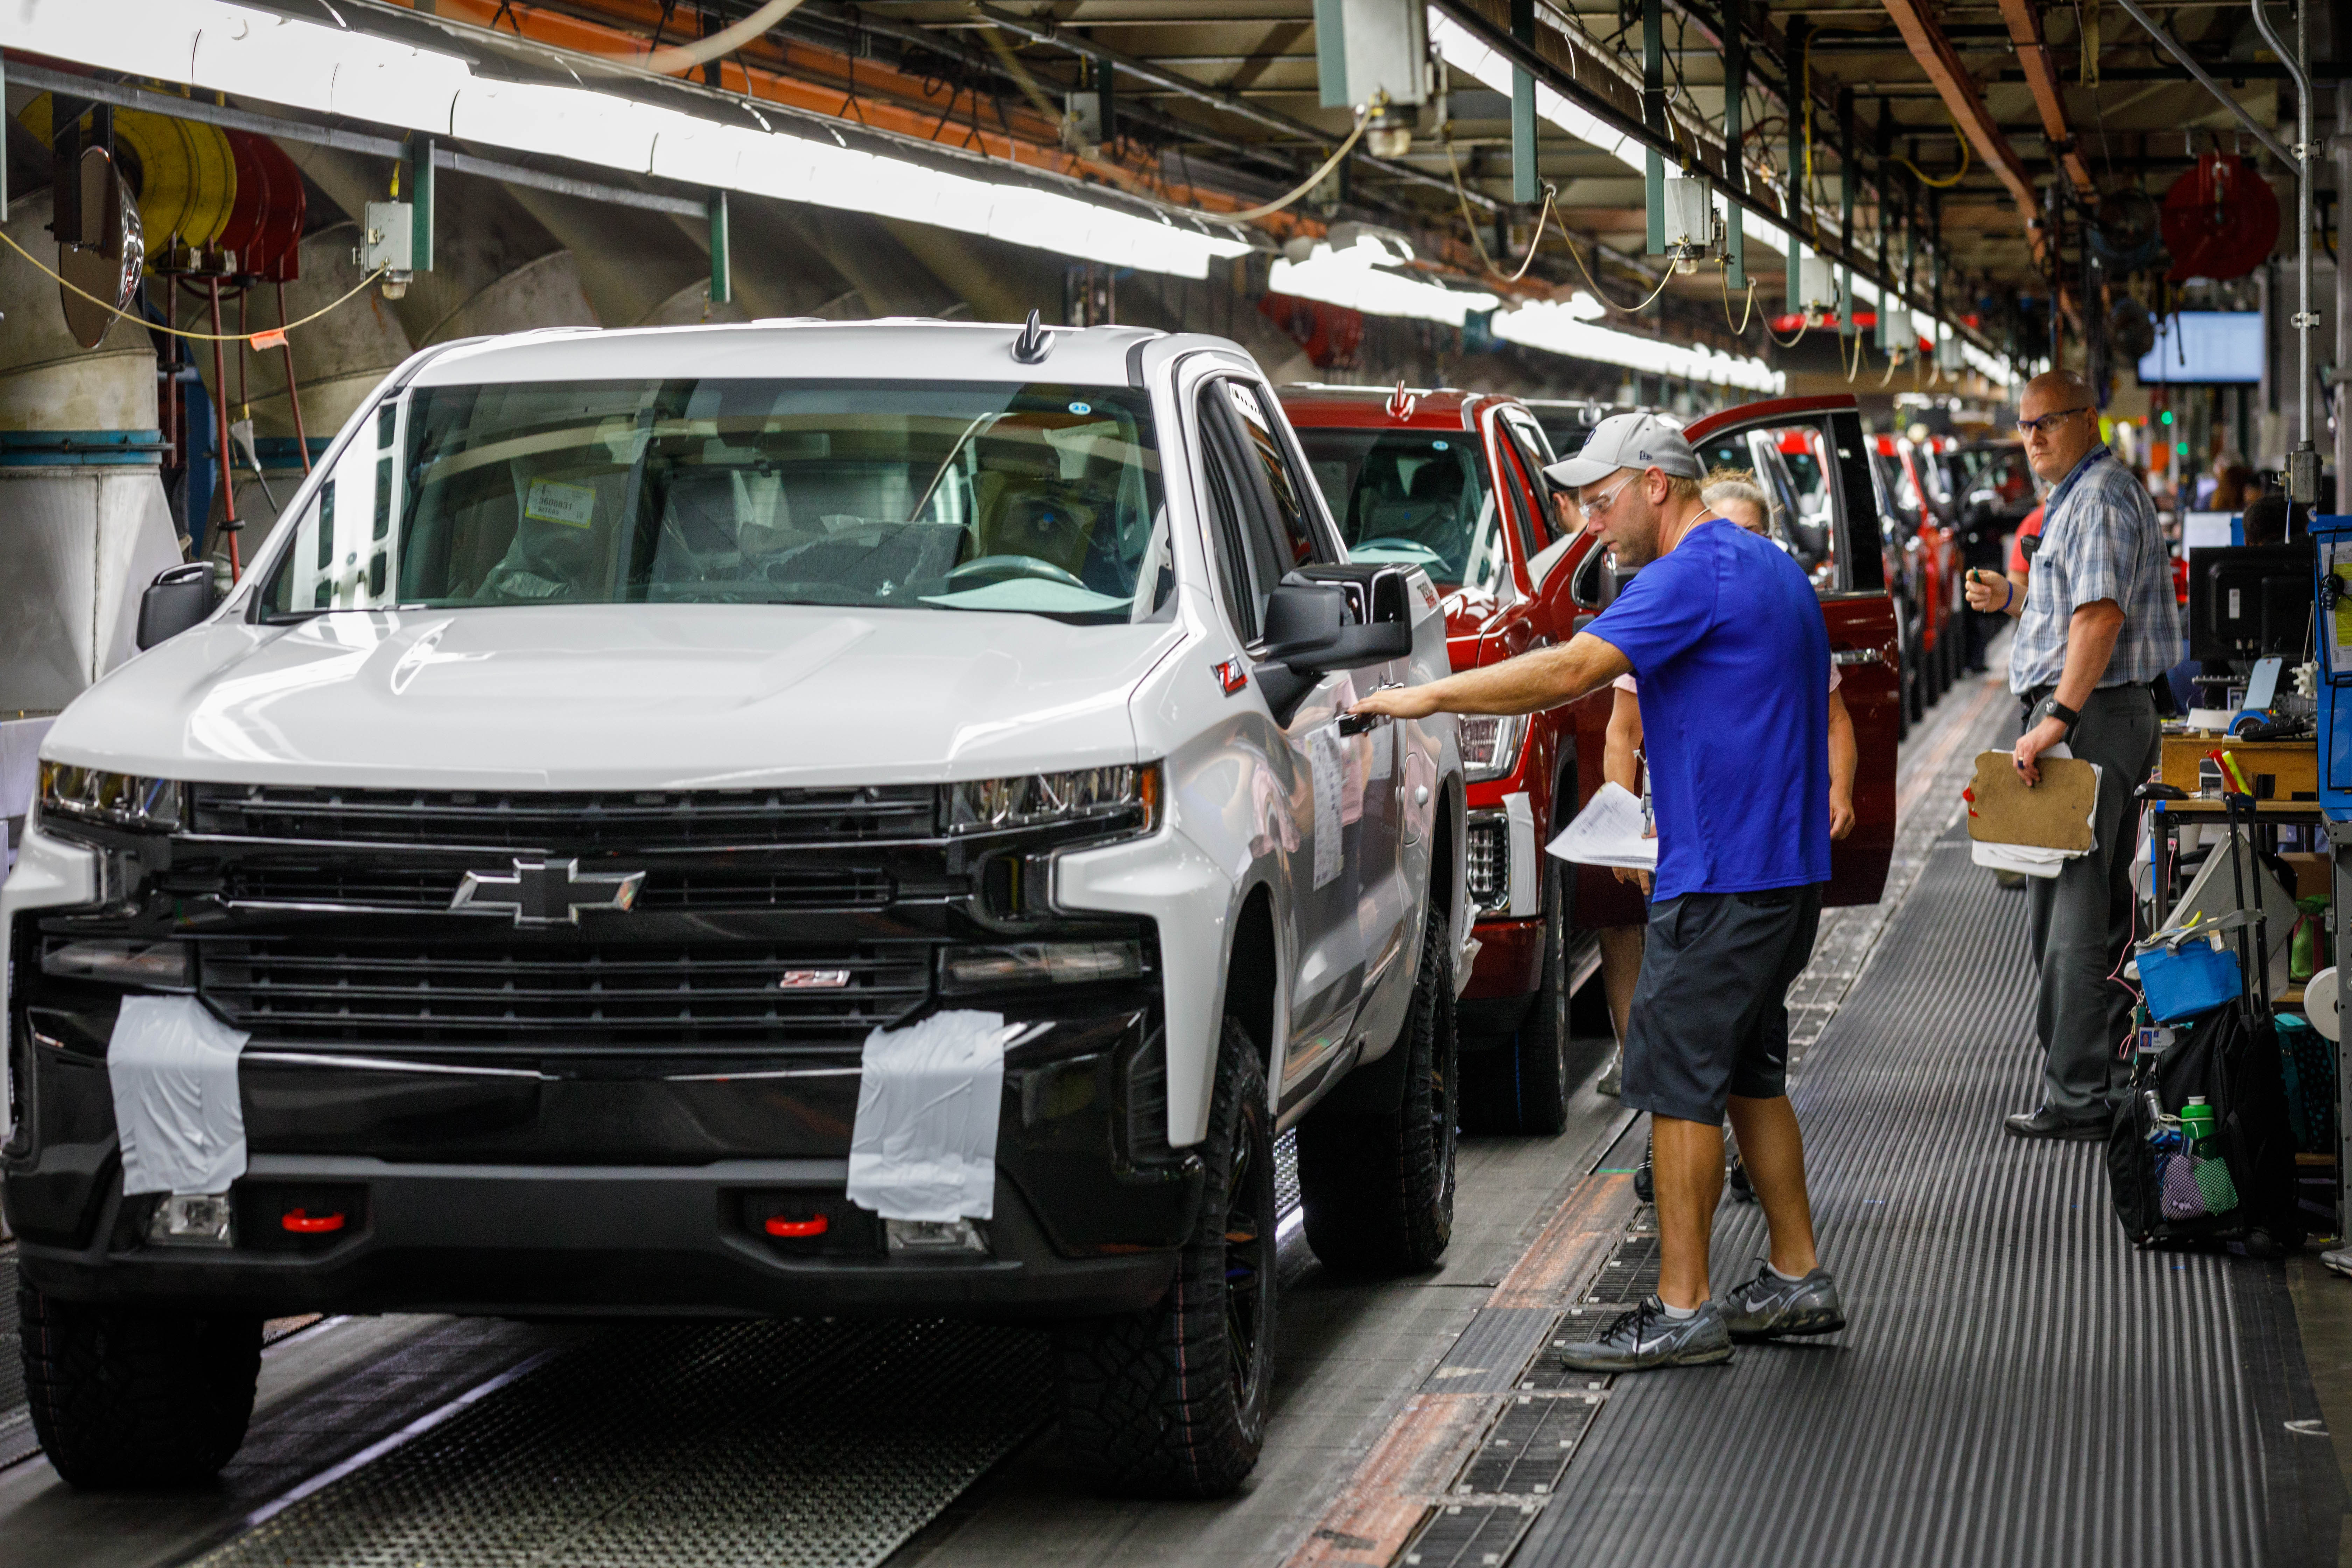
1521, 1085
123, 1397
1377, 1190
1172, 1402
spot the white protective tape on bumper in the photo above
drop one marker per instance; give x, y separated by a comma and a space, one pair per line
173, 1067
924, 1146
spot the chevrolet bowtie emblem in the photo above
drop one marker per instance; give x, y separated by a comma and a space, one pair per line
547, 893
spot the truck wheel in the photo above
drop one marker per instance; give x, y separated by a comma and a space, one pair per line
1521, 1085
1172, 1402
1377, 1190
123, 1397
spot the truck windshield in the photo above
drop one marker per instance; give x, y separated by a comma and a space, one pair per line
1413, 497
950, 495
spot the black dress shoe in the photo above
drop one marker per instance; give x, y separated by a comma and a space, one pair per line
2048, 1124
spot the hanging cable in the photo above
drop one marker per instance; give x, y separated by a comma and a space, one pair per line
1944, 182
176, 332
1574, 255
1478, 244
1126, 179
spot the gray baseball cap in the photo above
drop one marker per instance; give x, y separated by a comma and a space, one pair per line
1627, 441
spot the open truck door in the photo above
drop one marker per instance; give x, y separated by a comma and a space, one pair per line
1811, 460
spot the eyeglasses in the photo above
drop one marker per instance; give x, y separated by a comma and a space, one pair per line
2048, 423
1593, 509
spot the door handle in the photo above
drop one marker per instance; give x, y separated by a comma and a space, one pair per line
1858, 656
1361, 723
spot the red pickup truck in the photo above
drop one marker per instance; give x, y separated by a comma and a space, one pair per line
1452, 482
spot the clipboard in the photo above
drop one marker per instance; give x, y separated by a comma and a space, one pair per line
2054, 815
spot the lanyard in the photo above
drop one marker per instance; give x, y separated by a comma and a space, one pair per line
2066, 486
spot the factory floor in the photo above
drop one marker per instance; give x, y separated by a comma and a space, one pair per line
2017, 1386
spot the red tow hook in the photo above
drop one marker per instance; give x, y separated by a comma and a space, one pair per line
778, 1225
304, 1224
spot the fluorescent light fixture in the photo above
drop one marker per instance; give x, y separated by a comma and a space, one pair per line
397, 85
1462, 49
1354, 277
1569, 328
218, 46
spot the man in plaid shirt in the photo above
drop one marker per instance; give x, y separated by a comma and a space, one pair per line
2095, 625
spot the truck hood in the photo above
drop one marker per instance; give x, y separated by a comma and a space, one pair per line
619, 697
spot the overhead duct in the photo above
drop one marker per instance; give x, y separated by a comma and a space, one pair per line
87, 523
632, 265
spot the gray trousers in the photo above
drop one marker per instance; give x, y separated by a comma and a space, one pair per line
2082, 917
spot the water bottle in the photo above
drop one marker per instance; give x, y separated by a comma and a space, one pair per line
2197, 1123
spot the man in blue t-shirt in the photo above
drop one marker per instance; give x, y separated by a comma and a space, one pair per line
1726, 634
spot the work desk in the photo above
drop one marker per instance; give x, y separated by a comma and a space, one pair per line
2292, 766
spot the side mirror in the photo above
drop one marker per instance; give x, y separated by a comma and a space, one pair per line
176, 600
1316, 625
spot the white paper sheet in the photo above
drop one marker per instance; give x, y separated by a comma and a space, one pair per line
2031, 859
172, 1067
1607, 832
924, 1143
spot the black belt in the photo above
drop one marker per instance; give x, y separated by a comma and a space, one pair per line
2158, 688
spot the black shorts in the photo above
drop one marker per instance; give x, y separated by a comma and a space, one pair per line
1711, 1013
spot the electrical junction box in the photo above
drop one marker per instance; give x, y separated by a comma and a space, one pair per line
1896, 334
1948, 357
1689, 210
1817, 288
1364, 48
388, 236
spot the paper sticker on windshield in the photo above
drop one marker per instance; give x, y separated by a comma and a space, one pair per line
573, 506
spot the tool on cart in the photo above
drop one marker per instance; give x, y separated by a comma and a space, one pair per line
2202, 1149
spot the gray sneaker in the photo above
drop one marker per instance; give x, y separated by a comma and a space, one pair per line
1768, 1305
1612, 1079
1645, 1338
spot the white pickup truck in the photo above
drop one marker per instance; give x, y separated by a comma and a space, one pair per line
777, 819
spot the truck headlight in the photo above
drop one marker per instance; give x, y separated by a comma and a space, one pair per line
1039, 964
73, 794
1127, 794
159, 965
1490, 746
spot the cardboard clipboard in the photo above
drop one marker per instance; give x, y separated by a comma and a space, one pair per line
2054, 815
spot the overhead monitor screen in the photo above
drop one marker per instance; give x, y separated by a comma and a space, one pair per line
2205, 345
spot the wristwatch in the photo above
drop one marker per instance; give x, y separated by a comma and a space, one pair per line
2051, 708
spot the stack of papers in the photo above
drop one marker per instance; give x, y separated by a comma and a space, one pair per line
1609, 831
2034, 831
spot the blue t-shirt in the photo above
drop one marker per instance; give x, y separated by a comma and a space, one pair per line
1726, 637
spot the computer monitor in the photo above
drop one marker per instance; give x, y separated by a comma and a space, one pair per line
2252, 602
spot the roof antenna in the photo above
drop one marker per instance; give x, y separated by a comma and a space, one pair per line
1033, 345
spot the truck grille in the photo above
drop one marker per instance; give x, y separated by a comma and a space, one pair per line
573, 819
1486, 865
361, 885
509, 992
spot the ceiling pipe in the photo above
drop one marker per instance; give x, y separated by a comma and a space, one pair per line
2303, 466
2172, 47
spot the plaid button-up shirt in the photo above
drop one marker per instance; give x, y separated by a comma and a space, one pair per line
2100, 540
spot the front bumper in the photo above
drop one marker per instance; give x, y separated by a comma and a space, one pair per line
588, 1241
618, 1192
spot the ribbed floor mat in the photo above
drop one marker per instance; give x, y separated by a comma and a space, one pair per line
792, 1445
2019, 1386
